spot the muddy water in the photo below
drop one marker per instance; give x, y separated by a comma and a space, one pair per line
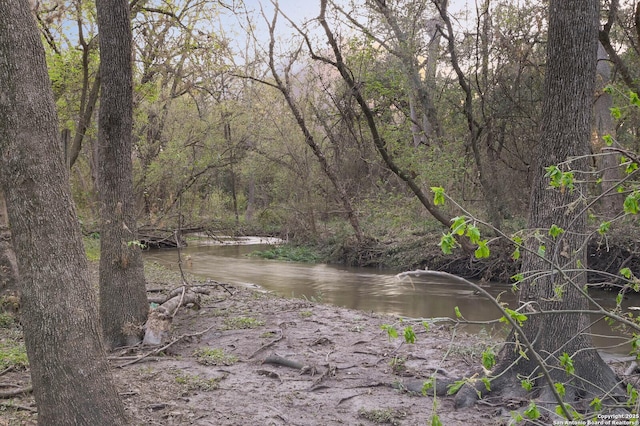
356, 288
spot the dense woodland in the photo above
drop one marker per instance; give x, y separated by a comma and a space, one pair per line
243, 122
502, 124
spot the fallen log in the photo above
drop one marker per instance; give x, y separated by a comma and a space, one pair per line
158, 326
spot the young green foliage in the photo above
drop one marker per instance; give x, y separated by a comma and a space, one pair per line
392, 333
438, 195
409, 334
567, 362
488, 358
515, 315
532, 412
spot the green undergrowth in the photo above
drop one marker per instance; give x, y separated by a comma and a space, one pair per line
211, 356
242, 323
13, 353
194, 382
290, 252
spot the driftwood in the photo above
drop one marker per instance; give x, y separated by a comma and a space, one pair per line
164, 238
15, 392
278, 360
165, 347
158, 326
158, 239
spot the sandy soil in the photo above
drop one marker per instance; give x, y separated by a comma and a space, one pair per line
247, 357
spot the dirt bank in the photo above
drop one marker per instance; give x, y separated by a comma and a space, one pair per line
607, 255
247, 357
324, 366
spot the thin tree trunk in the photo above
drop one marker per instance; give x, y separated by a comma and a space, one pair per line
70, 375
284, 88
123, 300
608, 164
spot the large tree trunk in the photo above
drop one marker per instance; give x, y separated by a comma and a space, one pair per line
556, 279
71, 379
123, 301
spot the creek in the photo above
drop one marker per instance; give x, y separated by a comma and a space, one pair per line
366, 289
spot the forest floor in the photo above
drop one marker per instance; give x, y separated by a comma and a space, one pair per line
248, 357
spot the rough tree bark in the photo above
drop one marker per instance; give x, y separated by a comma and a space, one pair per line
69, 371
123, 301
556, 279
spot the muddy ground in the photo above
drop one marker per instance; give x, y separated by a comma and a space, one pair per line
248, 357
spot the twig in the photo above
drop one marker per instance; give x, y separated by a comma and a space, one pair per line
266, 345
15, 392
10, 404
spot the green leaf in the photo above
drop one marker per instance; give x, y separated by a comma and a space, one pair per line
615, 113
604, 228
631, 203
608, 140
435, 420
619, 298
488, 358
438, 195
457, 311
560, 388
455, 387
516, 254
482, 252
567, 362
487, 383
409, 335
518, 277
633, 394
596, 404
517, 316
626, 272
555, 231
427, 385
447, 243
542, 249
517, 417
526, 384
555, 176
532, 411
608, 89
631, 167
459, 225
391, 331
473, 233
633, 98
425, 325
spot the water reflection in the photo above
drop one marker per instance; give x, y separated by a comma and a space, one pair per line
355, 288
